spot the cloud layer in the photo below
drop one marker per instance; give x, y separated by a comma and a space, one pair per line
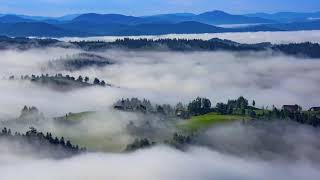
246, 37
158, 163
165, 77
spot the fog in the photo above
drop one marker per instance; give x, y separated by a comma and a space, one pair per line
241, 37
232, 151
269, 140
157, 163
164, 78
279, 150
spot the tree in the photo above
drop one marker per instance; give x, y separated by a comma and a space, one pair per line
42, 143
242, 103
206, 104
25, 110
56, 141
179, 106
254, 103
199, 106
96, 81
102, 83
195, 106
62, 141
160, 110
80, 79
69, 145
86, 79
4, 131
243, 111
222, 108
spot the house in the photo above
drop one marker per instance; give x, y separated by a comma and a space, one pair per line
292, 108
315, 109
179, 112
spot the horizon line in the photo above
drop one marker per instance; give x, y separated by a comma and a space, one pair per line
127, 14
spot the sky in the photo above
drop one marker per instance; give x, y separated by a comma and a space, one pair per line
149, 7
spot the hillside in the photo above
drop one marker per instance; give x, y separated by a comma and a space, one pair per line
92, 24
107, 18
13, 19
296, 26
39, 29
220, 17
197, 123
287, 17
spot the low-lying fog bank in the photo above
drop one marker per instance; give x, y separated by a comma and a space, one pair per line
162, 77
157, 163
232, 151
245, 37
262, 150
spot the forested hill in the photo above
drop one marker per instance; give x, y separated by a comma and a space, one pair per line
306, 49
38, 144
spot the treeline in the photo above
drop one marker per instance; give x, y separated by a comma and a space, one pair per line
31, 113
303, 117
178, 141
144, 106
79, 61
41, 144
196, 107
23, 43
307, 49
240, 106
61, 80
171, 44
311, 50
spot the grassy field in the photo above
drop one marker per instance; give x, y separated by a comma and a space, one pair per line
108, 143
205, 121
102, 141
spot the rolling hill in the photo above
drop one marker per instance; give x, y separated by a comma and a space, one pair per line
287, 17
92, 24
296, 26
35, 29
13, 19
220, 17
178, 28
107, 19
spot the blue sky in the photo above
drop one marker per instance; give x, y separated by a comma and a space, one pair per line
147, 7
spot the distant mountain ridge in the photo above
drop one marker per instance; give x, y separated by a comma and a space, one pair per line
226, 18
108, 18
297, 26
37, 29
213, 18
13, 19
220, 17
305, 49
287, 17
85, 29
92, 24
